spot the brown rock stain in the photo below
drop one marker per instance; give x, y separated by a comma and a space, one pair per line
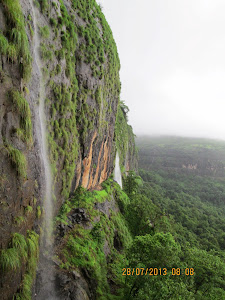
106, 154
87, 164
95, 181
78, 171
91, 179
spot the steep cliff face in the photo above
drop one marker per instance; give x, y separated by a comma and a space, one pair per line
85, 121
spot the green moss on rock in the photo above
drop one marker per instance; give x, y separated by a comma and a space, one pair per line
22, 107
18, 160
84, 248
15, 41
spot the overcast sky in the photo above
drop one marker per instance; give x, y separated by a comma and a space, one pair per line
172, 55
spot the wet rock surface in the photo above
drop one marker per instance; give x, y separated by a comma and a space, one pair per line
77, 216
45, 287
72, 287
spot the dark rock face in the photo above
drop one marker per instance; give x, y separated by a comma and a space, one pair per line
78, 216
19, 196
73, 287
106, 207
45, 283
117, 242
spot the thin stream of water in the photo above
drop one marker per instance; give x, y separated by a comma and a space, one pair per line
48, 205
117, 172
46, 274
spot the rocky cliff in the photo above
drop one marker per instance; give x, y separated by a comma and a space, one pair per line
86, 124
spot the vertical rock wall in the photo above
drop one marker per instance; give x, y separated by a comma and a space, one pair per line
81, 73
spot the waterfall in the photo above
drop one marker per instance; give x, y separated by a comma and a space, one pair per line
45, 273
48, 205
117, 172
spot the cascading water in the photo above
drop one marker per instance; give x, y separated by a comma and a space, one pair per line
45, 274
48, 207
117, 172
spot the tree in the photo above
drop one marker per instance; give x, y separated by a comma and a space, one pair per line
157, 251
209, 271
132, 183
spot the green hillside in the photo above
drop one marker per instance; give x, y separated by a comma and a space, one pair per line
187, 209
199, 156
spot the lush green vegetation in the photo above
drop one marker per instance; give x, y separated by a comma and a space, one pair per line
198, 156
9, 259
171, 222
178, 220
32, 253
195, 225
22, 251
83, 248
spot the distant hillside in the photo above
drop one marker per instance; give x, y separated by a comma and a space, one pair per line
183, 195
192, 155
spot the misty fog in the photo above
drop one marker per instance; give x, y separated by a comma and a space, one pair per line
172, 57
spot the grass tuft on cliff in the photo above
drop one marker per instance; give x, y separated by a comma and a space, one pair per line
19, 242
18, 160
15, 42
21, 250
22, 107
32, 248
9, 259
